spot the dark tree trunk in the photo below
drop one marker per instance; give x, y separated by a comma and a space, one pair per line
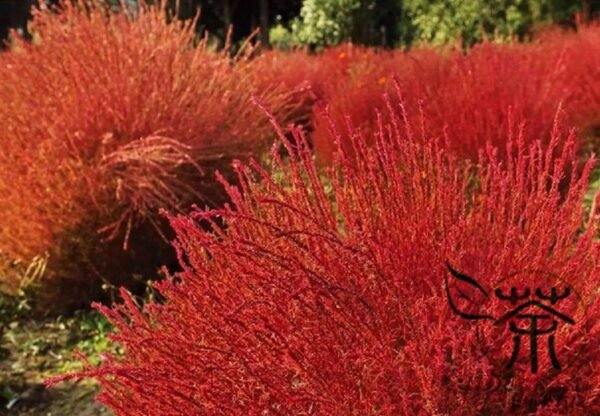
263, 9
227, 13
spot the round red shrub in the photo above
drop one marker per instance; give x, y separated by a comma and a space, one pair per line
109, 116
471, 97
327, 295
352, 91
583, 52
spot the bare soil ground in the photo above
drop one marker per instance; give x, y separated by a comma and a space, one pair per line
33, 349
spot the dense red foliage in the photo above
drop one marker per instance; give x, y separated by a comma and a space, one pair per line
493, 83
584, 59
470, 97
107, 118
326, 296
356, 79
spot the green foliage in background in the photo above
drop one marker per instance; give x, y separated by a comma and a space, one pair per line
329, 22
325, 22
441, 22
319, 23
280, 37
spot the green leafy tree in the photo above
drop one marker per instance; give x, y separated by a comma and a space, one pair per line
325, 22
280, 37
441, 22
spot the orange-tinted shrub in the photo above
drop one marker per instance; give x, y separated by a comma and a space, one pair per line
318, 303
317, 74
297, 71
108, 117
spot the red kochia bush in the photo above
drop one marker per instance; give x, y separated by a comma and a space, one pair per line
470, 96
583, 51
325, 295
493, 82
325, 74
354, 82
106, 118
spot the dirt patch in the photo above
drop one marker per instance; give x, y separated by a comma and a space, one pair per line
71, 399
33, 349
